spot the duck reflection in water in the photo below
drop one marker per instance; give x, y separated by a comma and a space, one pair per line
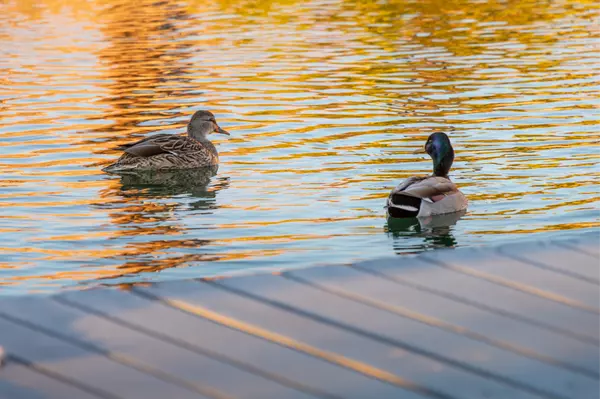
436, 232
155, 217
168, 183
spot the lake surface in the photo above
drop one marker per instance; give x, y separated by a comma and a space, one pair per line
325, 102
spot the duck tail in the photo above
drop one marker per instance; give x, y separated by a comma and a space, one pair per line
403, 206
116, 168
110, 168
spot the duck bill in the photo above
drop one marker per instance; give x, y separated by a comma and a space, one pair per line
222, 131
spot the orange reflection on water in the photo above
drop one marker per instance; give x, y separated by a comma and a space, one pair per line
325, 102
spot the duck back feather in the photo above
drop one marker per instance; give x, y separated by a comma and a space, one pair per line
165, 152
425, 196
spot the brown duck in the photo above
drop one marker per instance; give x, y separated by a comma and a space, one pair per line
171, 151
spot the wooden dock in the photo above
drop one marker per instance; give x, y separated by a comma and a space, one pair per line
516, 321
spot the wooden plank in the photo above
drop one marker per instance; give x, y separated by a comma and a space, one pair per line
384, 356
588, 244
486, 366
90, 369
589, 249
492, 297
492, 328
20, 382
562, 259
199, 373
521, 277
215, 298
281, 363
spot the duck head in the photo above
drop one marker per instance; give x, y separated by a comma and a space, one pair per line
440, 150
202, 124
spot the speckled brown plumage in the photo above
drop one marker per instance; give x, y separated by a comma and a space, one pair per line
169, 152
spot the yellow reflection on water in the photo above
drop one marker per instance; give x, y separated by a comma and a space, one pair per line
325, 101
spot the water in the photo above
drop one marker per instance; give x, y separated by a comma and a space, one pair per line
325, 101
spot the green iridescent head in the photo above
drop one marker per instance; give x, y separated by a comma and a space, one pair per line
440, 150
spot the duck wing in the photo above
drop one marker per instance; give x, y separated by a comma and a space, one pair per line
407, 183
144, 140
407, 199
163, 144
426, 187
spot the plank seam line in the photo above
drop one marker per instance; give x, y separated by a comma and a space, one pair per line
590, 280
390, 341
300, 347
201, 351
445, 326
456, 298
119, 358
521, 287
100, 393
575, 248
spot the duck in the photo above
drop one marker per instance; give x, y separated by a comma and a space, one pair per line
423, 196
172, 151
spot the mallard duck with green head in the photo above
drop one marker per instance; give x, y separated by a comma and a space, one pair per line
172, 151
420, 196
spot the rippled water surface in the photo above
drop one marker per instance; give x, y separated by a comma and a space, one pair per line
325, 100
